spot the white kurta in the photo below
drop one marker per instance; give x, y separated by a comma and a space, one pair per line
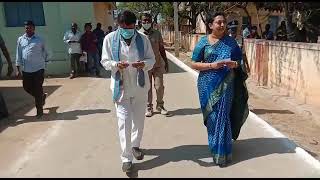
133, 102
129, 54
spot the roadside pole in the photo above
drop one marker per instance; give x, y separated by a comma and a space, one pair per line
176, 29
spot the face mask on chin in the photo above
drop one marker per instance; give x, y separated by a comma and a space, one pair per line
127, 33
146, 26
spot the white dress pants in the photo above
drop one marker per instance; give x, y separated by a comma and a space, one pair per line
131, 115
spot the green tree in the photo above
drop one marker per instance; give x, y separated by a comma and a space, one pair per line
154, 8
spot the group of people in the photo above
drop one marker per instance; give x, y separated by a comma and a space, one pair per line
131, 55
88, 44
281, 32
135, 57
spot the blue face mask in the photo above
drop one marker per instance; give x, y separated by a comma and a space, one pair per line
127, 33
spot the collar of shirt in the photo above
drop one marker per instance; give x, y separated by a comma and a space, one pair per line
77, 32
33, 36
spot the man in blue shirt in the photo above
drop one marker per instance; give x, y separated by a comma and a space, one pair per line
267, 34
30, 61
100, 36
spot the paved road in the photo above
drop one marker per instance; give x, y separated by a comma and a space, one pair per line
79, 138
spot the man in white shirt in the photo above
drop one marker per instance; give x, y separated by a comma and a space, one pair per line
129, 55
72, 38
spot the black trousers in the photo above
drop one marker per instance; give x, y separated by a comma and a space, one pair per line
32, 84
75, 63
3, 108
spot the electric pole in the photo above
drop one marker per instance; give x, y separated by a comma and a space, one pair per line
176, 29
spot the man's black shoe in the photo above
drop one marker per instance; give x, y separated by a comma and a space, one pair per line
127, 167
137, 153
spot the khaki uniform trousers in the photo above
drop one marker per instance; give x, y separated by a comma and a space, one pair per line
156, 74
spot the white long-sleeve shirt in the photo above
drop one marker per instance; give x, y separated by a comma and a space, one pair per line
129, 74
75, 46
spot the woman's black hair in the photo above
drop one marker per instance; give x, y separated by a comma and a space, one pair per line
210, 18
127, 17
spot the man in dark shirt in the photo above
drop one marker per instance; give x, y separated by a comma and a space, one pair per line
109, 30
88, 43
281, 34
267, 34
100, 36
254, 33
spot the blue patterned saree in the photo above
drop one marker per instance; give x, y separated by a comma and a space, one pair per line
215, 88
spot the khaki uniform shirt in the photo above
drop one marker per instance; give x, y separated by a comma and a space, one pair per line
156, 40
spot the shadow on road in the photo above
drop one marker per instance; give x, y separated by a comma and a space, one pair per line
53, 115
267, 111
185, 111
243, 150
19, 103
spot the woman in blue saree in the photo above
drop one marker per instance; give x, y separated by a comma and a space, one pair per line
216, 56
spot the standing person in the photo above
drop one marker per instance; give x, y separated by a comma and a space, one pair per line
254, 33
233, 33
160, 67
88, 43
109, 30
267, 34
281, 33
221, 87
72, 38
129, 55
246, 32
100, 36
31, 57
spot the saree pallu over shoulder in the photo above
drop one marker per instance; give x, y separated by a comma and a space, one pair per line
240, 109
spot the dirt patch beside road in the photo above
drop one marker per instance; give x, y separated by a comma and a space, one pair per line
297, 122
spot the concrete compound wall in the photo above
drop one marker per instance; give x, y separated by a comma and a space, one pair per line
293, 67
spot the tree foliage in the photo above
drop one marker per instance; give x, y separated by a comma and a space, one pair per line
299, 16
155, 8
